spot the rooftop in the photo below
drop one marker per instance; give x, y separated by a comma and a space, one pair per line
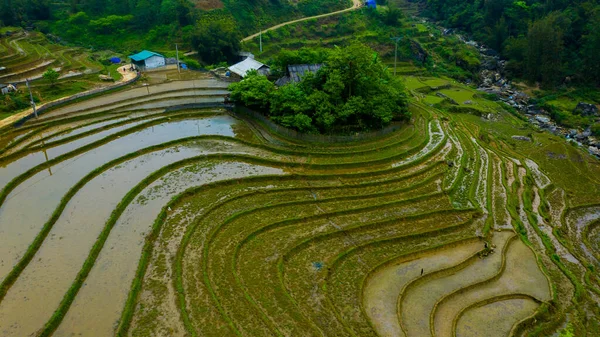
297, 71
144, 54
245, 66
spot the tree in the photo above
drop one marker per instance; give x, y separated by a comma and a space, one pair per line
254, 90
591, 47
544, 51
216, 39
51, 76
353, 91
392, 15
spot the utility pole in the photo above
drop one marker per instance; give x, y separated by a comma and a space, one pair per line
396, 38
177, 53
260, 35
31, 98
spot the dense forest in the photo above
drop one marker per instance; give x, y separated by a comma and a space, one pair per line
547, 41
137, 24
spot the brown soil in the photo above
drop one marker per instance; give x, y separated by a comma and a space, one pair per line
207, 4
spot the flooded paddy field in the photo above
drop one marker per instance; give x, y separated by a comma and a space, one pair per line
137, 214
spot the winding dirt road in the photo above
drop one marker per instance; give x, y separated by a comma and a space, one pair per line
355, 5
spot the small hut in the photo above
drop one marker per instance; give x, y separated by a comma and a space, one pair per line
148, 59
240, 69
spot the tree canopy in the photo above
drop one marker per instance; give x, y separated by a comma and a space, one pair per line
544, 41
352, 91
51, 76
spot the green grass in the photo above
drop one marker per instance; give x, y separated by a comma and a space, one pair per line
240, 256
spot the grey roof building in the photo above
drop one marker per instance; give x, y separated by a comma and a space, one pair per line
241, 68
295, 72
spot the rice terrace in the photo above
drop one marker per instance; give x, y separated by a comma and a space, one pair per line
161, 209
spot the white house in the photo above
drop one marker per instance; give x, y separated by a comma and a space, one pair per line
240, 69
148, 60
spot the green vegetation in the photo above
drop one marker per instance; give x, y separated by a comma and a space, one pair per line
157, 24
228, 255
51, 76
173, 220
543, 41
54, 70
353, 91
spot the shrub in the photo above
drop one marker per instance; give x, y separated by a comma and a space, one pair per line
596, 129
254, 90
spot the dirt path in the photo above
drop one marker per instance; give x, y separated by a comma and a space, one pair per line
127, 75
355, 5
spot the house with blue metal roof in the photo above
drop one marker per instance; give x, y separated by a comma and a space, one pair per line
148, 59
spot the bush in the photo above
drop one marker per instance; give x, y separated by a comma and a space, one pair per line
254, 90
596, 129
51, 76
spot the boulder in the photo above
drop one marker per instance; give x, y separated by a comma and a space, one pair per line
586, 109
594, 150
418, 52
542, 119
488, 52
489, 63
523, 138
106, 78
468, 102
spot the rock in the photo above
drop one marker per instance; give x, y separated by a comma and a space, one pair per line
468, 102
586, 109
472, 43
439, 94
418, 52
488, 52
594, 150
542, 119
489, 63
523, 138
106, 78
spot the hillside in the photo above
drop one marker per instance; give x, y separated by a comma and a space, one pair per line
146, 24
409, 184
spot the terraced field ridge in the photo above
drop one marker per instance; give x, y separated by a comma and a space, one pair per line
158, 212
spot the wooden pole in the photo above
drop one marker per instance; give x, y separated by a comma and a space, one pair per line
177, 53
31, 98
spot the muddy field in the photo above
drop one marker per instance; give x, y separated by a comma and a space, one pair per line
154, 211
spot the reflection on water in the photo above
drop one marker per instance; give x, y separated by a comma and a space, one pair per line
36, 294
98, 305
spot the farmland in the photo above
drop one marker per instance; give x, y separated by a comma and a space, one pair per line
155, 211
28, 54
